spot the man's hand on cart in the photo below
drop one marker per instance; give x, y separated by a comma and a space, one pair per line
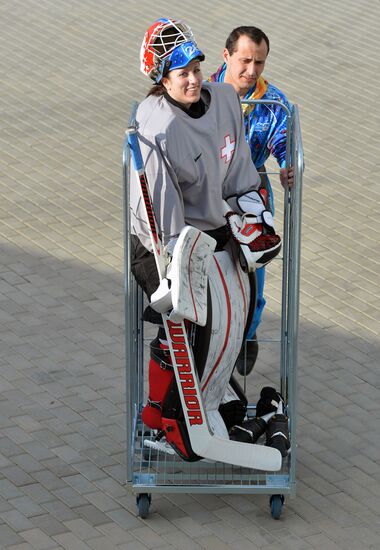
287, 177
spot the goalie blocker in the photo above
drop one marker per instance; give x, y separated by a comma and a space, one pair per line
253, 229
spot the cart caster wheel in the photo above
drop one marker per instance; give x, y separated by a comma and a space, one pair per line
276, 503
143, 504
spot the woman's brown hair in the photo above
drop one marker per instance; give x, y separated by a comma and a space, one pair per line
157, 89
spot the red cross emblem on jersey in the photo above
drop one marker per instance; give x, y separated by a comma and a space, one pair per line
228, 149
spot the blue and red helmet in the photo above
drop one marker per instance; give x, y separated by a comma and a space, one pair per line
168, 44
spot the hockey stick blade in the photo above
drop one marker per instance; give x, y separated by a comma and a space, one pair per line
246, 455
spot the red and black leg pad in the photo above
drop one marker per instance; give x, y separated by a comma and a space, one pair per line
160, 377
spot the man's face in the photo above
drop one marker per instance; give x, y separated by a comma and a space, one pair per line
245, 65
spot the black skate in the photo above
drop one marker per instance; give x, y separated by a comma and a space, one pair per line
249, 431
278, 433
269, 401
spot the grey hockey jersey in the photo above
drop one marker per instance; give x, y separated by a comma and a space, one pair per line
191, 164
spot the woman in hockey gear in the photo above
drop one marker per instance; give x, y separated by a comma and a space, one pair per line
195, 156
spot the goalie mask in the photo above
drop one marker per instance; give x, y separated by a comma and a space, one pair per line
168, 44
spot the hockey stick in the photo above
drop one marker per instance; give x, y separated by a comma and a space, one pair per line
203, 442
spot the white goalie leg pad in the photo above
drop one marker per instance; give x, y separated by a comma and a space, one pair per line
189, 275
230, 296
216, 424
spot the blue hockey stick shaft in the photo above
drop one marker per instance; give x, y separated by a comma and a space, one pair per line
138, 164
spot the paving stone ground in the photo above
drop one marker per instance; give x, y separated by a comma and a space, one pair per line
69, 74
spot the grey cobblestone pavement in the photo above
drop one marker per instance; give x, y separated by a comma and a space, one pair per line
69, 74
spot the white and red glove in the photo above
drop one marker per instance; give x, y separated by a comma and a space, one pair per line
253, 230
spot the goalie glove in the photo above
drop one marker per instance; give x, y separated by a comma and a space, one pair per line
254, 231
182, 293
161, 299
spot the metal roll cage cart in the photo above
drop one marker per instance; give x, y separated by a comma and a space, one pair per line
154, 471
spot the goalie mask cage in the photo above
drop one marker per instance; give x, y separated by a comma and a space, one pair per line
155, 471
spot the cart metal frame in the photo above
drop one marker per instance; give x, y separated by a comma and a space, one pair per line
151, 471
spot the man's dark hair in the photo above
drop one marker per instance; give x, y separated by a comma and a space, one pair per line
255, 34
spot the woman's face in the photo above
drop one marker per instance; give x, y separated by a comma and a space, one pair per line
184, 85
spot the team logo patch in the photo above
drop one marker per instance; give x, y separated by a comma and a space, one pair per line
227, 151
189, 49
